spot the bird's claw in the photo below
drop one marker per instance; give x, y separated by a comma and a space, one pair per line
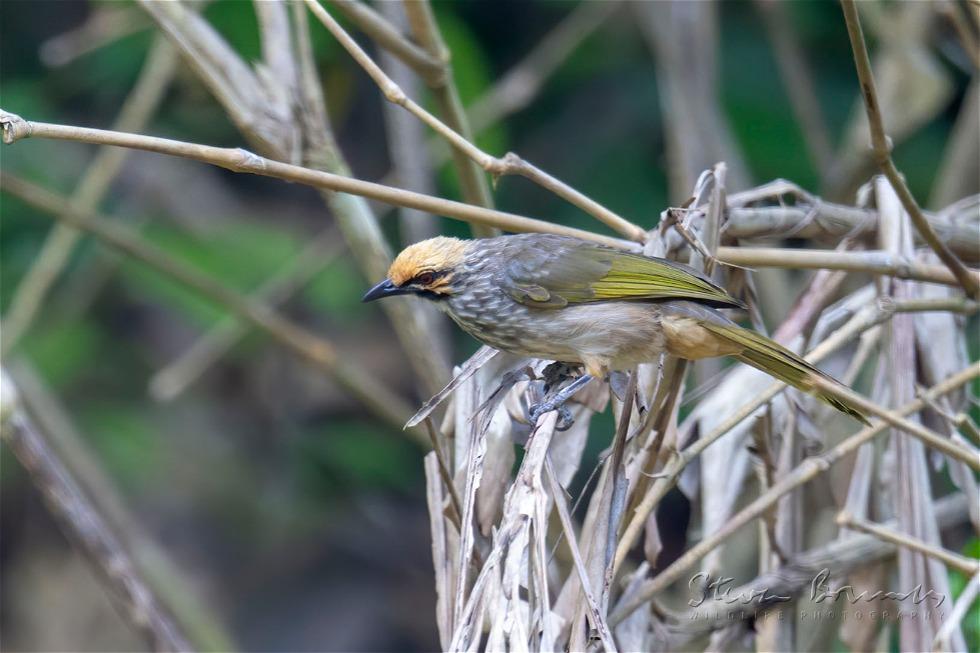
565, 419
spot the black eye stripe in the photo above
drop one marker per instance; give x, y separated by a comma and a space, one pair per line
427, 277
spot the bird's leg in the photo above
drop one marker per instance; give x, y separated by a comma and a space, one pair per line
557, 401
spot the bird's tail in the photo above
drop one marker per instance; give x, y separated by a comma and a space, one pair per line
772, 358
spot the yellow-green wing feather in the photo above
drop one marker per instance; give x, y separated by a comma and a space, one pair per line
570, 271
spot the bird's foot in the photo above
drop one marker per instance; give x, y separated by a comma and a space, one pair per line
557, 402
565, 419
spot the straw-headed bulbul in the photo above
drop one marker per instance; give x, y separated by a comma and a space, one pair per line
565, 299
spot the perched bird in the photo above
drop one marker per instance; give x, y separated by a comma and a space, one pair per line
569, 300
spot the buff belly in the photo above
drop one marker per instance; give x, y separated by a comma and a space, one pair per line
603, 337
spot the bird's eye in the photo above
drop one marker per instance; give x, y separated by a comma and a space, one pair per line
424, 279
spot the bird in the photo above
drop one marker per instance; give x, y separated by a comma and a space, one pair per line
587, 305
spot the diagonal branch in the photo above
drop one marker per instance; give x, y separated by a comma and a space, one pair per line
967, 566
85, 526
173, 379
136, 111
389, 37
510, 164
881, 147
373, 394
472, 181
240, 160
802, 474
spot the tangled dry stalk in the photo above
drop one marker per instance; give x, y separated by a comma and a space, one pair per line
518, 566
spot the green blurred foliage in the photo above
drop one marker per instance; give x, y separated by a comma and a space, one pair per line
262, 461
958, 583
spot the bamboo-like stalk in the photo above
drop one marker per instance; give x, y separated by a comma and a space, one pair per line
881, 148
802, 474
373, 394
962, 564
239, 160
136, 111
389, 37
86, 528
862, 321
498, 167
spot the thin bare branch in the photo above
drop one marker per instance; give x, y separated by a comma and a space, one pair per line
239, 160
874, 262
374, 395
85, 526
802, 474
967, 566
510, 164
175, 377
136, 111
881, 146
389, 37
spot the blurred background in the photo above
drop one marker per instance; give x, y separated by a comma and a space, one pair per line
268, 503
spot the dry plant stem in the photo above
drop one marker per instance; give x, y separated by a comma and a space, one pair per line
51, 419
944, 636
520, 84
595, 614
802, 474
510, 164
881, 146
838, 558
966, 566
86, 528
447, 478
796, 78
137, 109
829, 222
874, 262
617, 476
173, 379
389, 37
378, 398
872, 316
240, 160
472, 180
928, 437
105, 25
969, 41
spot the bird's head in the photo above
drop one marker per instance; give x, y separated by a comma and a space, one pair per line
425, 269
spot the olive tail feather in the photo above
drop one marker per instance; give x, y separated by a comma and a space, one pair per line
772, 358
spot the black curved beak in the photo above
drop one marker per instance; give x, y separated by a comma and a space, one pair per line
384, 289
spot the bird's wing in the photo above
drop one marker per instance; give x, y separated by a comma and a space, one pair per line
576, 272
